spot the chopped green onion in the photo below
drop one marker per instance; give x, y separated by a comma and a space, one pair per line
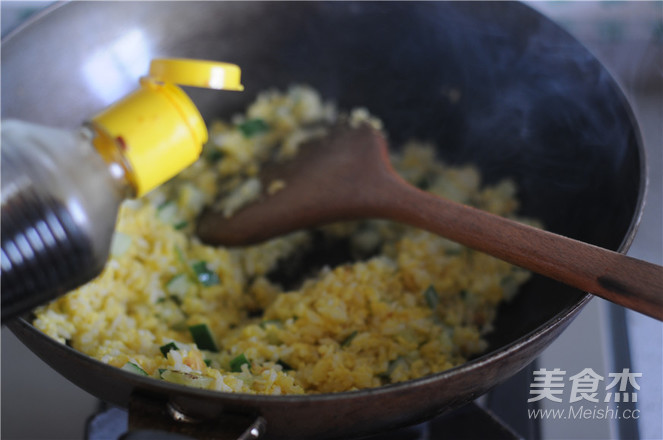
167, 212
161, 370
431, 296
165, 205
203, 338
284, 365
205, 276
208, 362
275, 322
181, 225
393, 365
120, 244
272, 327
134, 368
179, 326
424, 183
215, 155
180, 255
347, 341
188, 379
178, 285
166, 348
253, 127
236, 363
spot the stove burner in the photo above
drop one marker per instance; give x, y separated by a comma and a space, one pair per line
468, 422
507, 402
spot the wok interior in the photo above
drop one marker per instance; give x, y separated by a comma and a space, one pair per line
492, 84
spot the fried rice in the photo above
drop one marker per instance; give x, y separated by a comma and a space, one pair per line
397, 304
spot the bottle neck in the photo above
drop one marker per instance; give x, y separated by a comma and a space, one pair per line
112, 152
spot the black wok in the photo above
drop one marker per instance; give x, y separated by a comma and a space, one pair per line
533, 105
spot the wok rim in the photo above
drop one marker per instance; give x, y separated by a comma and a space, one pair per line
22, 327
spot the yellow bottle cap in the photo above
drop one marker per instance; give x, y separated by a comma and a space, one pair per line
197, 73
157, 128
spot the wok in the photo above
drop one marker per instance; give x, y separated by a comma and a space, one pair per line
533, 105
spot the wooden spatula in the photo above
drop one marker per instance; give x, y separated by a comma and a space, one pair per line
347, 176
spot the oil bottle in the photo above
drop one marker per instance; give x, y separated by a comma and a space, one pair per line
61, 189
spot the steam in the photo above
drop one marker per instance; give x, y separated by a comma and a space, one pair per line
534, 105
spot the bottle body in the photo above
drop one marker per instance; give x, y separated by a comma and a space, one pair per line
61, 190
60, 200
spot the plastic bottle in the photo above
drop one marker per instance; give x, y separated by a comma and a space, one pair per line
61, 189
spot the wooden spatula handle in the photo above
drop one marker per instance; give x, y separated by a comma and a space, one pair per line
623, 280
